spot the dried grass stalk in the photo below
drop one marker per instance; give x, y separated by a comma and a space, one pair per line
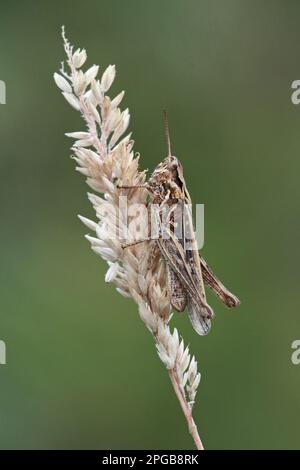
105, 157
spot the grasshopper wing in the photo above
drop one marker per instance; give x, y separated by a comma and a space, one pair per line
189, 276
177, 292
200, 324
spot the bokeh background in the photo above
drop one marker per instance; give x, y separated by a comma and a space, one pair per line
82, 371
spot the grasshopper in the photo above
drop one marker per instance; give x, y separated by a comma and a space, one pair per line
187, 271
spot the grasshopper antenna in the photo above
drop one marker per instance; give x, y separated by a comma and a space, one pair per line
167, 133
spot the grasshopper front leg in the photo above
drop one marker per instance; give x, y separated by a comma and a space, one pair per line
132, 187
137, 242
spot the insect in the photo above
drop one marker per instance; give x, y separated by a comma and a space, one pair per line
187, 271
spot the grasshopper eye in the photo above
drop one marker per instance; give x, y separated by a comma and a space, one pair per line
174, 163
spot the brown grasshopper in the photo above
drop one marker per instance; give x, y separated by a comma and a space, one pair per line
187, 271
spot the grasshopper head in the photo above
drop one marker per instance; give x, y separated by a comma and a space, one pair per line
167, 179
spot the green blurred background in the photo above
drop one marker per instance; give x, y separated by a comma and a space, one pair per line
82, 371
